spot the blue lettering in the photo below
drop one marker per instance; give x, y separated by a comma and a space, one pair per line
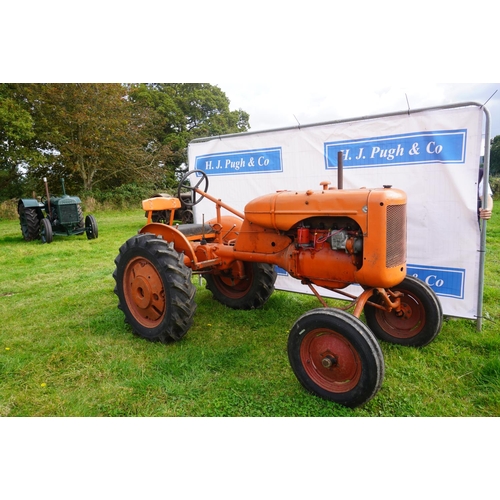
426, 147
235, 162
445, 281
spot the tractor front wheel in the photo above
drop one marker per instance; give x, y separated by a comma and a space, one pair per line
335, 356
154, 288
416, 324
46, 234
246, 285
91, 227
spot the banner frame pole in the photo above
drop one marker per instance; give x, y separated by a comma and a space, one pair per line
482, 246
332, 122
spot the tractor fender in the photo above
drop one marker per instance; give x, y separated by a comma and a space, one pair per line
30, 203
170, 234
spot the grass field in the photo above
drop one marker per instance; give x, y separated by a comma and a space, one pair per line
66, 351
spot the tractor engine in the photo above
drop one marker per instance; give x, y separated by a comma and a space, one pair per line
339, 237
323, 244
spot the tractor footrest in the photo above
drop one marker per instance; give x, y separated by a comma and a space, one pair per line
195, 229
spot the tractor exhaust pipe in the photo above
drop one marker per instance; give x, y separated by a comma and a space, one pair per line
47, 193
340, 170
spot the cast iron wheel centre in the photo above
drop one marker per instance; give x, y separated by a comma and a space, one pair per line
409, 322
144, 292
232, 285
330, 360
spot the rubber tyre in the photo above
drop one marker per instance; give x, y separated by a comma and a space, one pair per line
161, 216
46, 234
30, 224
187, 217
154, 288
354, 364
422, 319
81, 223
91, 227
251, 292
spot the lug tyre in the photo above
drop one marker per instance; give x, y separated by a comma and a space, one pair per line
30, 224
418, 324
336, 357
81, 223
162, 216
46, 234
91, 227
154, 288
248, 292
187, 217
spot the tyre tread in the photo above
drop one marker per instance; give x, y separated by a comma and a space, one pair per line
362, 335
176, 276
262, 288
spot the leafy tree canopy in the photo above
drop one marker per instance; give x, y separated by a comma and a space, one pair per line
105, 135
185, 111
16, 136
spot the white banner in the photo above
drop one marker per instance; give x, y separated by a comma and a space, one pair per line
433, 155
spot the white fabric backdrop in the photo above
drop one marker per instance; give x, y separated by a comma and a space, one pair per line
433, 155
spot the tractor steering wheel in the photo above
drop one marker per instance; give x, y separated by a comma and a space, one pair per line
187, 186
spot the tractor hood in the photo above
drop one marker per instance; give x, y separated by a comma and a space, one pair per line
284, 209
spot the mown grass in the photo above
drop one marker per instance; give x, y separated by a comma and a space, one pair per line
66, 351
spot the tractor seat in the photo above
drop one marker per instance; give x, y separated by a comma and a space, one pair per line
195, 229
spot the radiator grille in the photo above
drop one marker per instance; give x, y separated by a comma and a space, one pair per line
396, 235
68, 213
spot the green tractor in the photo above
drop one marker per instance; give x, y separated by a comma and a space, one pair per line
54, 216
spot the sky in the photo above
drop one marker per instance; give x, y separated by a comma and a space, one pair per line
275, 105
281, 62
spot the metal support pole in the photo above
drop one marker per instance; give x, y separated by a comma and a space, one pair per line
482, 245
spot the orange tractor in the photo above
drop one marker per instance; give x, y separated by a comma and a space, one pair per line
329, 238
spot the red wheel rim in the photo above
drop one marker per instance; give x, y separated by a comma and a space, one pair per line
330, 360
409, 323
144, 292
230, 284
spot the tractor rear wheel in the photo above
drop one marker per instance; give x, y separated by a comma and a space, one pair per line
248, 292
187, 217
46, 234
91, 227
419, 321
335, 356
154, 288
81, 223
30, 224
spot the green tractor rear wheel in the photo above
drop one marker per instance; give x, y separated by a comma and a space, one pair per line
81, 223
30, 224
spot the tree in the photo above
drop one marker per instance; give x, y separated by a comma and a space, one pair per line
495, 156
91, 134
105, 135
185, 111
16, 140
